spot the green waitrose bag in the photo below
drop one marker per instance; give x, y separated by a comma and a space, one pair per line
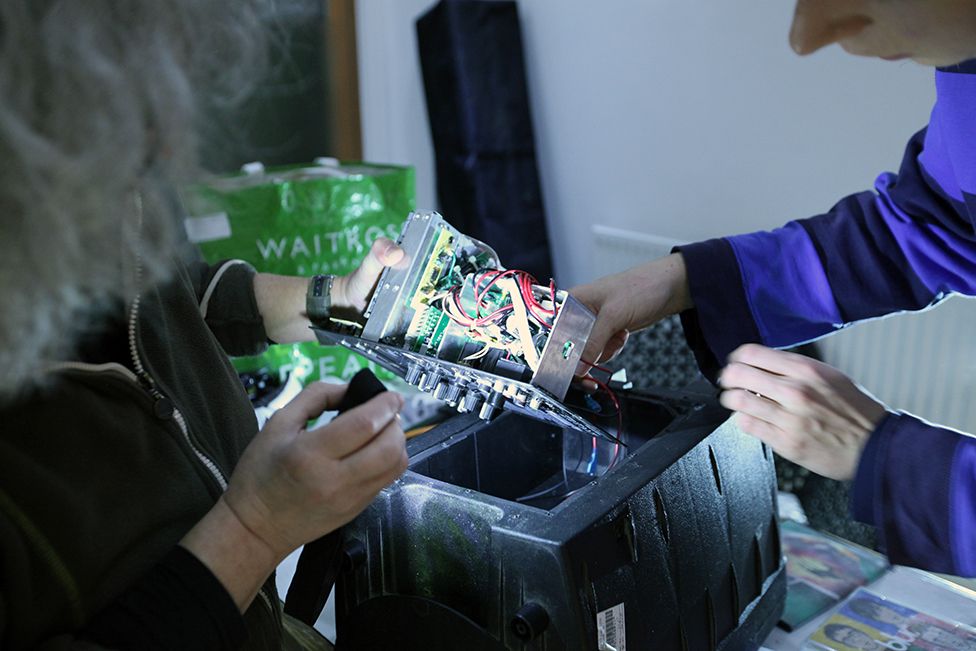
300, 221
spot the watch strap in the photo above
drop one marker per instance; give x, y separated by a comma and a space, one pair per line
318, 299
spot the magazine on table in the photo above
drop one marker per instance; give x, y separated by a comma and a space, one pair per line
869, 622
821, 570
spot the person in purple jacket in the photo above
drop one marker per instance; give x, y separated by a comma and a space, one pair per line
906, 245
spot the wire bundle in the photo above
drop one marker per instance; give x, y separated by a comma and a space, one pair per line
490, 320
484, 282
605, 387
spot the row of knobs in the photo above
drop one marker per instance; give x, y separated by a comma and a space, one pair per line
454, 394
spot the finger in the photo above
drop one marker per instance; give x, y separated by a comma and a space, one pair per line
775, 361
372, 265
588, 385
308, 405
365, 493
362, 281
353, 429
746, 402
816, 25
386, 251
778, 388
788, 444
381, 460
613, 347
767, 432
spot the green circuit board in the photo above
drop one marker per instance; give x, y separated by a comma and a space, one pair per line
449, 319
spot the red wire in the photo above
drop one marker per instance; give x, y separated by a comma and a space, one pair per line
479, 296
457, 303
613, 460
597, 367
470, 321
616, 404
485, 320
524, 283
528, 282
552, 291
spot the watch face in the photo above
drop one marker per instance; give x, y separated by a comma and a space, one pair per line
321, 287
318, 300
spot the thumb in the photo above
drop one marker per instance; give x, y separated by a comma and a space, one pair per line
614, 345
602, 331
362, 281
383, 253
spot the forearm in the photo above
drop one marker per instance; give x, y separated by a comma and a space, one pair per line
673, 272
240, 560
281, 302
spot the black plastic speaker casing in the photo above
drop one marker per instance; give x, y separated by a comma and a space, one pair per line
682, 532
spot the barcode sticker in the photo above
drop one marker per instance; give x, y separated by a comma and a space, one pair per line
611, 630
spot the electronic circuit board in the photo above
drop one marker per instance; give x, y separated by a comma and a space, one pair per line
452, 321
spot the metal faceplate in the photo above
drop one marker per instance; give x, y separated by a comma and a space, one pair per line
470, 389
467, 389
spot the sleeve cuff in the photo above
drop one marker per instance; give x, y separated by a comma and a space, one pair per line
179, 604
230, 309
864, 505
721, 321
904, 485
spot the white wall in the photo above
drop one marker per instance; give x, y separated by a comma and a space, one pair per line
668, 117
391, 92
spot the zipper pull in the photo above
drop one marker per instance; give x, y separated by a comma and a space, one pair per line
163, 408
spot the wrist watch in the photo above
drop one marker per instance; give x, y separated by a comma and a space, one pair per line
318, 299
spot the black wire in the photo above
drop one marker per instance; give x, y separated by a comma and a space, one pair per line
565, 482
542, 493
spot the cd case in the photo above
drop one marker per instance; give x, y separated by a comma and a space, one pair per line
871, 622
821, 570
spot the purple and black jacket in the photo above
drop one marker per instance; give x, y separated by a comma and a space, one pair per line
905, 246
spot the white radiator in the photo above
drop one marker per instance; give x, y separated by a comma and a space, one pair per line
617, 249
923, 363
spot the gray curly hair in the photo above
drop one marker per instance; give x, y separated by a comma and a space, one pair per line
99, 100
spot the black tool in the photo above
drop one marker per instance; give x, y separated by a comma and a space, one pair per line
319, 561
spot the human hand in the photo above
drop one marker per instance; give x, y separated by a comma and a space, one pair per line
629, 301
353, 291
807, 411
294, 485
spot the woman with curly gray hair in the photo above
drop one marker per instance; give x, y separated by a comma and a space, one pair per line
140, 507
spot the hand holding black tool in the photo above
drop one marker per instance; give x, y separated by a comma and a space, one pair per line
319, 560
362, 388
295, 485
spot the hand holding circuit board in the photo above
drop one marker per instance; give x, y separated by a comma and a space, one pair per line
452, 321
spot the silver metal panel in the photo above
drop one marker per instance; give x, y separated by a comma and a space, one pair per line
387, 313
563, 350
473, 383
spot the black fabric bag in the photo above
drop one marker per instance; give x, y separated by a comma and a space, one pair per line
478, 106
